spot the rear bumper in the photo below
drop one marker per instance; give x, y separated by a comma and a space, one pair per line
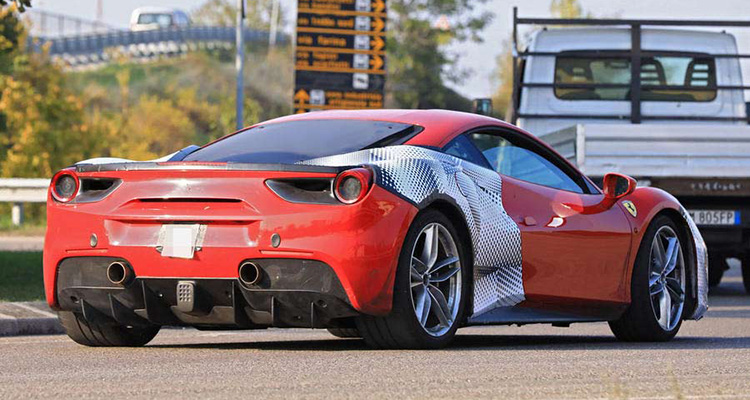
291, 293
360, 243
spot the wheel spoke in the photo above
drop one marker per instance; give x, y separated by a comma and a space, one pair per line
675, 290
654, 279
442, 264
673, 250
417, 264
658, 248
441, 308
656, 289
427, 305
665, 310
422, 305
442, 277
430, 249
416, 277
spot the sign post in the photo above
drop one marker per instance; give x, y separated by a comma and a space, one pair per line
340, 55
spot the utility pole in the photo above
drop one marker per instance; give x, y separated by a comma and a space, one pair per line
240, 61
274, 23
99, 14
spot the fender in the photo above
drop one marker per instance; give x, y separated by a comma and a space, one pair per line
648, 202
420, 176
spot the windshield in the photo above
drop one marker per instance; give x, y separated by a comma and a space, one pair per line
159, 19
294, 141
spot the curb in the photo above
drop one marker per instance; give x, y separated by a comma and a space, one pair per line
30, 326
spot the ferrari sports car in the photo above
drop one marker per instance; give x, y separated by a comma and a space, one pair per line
396, 226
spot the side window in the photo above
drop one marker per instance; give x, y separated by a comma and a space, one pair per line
522, 163
462, 148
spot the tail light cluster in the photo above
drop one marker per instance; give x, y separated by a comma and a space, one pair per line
348, 187
68, 187
65, 186
352, 185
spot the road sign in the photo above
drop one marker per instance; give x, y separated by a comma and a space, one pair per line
340, 55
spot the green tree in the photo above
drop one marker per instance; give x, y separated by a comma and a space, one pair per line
41, 120
21, 5
224, 13
419, 64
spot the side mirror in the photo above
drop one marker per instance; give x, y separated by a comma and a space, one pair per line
616, 186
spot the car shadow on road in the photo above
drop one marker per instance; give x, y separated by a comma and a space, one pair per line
485, 342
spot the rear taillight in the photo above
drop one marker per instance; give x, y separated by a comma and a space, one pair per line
65, 186
352, 185
68, 187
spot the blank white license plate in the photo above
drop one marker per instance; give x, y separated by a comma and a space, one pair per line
715, 217
178, 241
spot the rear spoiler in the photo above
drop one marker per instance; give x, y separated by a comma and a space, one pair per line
150, 165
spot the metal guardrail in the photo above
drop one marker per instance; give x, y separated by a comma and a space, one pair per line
43, 23
93, 47
22, 190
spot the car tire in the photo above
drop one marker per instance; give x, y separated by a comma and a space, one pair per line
104, 335
344, 333
652, 317
746, 272
444, 276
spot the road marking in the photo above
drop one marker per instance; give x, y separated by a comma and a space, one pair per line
36, 310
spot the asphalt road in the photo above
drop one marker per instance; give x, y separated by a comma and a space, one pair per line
708, 359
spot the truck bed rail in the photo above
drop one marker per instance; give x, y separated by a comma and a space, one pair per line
649, 151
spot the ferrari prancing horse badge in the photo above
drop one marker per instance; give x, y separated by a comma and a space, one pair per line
630, 207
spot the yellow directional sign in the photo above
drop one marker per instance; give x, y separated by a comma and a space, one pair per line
377, 43
340, 54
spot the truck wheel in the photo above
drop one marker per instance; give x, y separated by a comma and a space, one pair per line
430, 290
746, 272
716, 267
100, 335
657, 288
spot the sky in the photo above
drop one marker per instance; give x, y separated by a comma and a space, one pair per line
477, 58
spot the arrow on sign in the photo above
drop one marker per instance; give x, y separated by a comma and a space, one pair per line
379, 25
376, 62
301, 96
378, 5
377, 43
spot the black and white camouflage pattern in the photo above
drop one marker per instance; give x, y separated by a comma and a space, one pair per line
701, 264
419, 175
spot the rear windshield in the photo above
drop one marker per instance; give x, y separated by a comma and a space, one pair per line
690, 75
294, 141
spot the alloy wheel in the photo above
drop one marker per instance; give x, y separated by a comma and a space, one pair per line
667, 278
435, 279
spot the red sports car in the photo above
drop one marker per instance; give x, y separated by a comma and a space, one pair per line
398, 226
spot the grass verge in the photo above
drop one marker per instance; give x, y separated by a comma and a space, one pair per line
21, 276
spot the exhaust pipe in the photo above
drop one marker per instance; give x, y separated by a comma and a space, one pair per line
250, 273
119, 273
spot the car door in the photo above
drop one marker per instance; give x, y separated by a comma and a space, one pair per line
574, 253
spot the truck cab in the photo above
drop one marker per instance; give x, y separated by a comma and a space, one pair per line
660, 100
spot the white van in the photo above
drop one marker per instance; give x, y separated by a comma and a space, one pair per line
148, 18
